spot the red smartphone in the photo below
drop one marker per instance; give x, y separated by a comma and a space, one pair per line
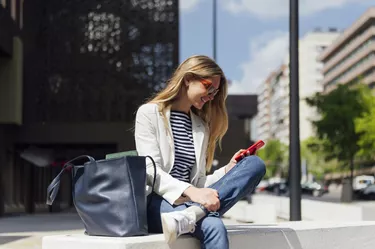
252, 149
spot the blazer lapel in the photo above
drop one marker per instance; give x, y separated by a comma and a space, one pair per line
169, 131
170, 138
198, 136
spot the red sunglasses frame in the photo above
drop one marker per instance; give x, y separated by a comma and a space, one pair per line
207, 84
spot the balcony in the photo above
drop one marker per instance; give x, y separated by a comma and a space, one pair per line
353, 73
349, 49
368, 80
349, 63
347, 35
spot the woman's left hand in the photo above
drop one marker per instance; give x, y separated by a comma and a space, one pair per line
232, 161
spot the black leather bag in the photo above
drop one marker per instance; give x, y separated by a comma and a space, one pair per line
109, 195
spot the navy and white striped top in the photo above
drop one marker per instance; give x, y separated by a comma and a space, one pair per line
183, 146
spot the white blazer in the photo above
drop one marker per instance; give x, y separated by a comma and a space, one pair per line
153, 139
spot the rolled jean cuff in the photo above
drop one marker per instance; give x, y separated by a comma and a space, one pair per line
190, 203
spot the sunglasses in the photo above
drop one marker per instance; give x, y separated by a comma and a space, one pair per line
211, 90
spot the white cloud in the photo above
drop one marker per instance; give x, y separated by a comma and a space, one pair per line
188, 5
280, 8
267, 52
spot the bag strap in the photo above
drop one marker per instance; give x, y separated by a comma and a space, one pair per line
153, 182
53, 188
154, 164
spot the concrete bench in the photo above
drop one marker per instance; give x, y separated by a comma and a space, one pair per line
296, 235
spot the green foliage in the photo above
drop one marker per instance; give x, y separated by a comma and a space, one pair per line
366, 126
274, 155
312, 150
339, 110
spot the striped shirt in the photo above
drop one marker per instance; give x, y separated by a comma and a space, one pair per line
184, 146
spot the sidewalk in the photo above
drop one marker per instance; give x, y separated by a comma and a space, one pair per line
26, 232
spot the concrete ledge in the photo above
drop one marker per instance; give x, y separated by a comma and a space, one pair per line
296, 235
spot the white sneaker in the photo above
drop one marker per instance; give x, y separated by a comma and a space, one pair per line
177, 223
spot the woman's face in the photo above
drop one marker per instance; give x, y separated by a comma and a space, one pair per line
200, 91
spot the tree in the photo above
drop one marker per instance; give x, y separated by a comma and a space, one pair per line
312, 150
274, 155
366, 126
339, 110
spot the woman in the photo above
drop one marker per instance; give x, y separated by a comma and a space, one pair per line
180, 128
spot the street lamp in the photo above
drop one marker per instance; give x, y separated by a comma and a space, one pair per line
294, 148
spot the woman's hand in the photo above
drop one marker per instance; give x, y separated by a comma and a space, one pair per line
233, 162
207, 197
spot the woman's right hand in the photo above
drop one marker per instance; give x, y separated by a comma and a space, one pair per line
207, 197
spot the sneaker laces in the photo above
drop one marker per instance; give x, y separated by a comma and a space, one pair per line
186, 223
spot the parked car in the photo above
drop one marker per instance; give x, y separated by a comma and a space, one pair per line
367, 193
309, 188
363, 181
278, 187
262, 186
314, 189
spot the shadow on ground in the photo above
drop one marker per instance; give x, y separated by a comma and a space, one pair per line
40, 223
8, 239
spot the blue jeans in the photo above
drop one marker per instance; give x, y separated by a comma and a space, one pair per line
232, 187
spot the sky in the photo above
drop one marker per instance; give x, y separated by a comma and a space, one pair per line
253, 35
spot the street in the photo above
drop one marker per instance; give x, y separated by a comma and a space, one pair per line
26, 231
333, 196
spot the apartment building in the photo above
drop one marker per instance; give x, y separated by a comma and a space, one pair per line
278, 84
351, 57
310, 74
272, 120
279, 110
262, 121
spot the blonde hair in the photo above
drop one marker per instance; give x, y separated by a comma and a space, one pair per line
213, 113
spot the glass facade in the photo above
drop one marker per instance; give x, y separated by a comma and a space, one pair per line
96, 60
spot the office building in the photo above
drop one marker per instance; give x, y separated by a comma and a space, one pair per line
351, 57
72, 75
262, 121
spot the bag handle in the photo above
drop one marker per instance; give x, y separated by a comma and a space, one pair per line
53, 188
154, 164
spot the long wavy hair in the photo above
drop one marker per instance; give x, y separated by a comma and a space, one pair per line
213, 113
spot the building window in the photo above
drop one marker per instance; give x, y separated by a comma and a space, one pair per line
356, 51
352, 68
